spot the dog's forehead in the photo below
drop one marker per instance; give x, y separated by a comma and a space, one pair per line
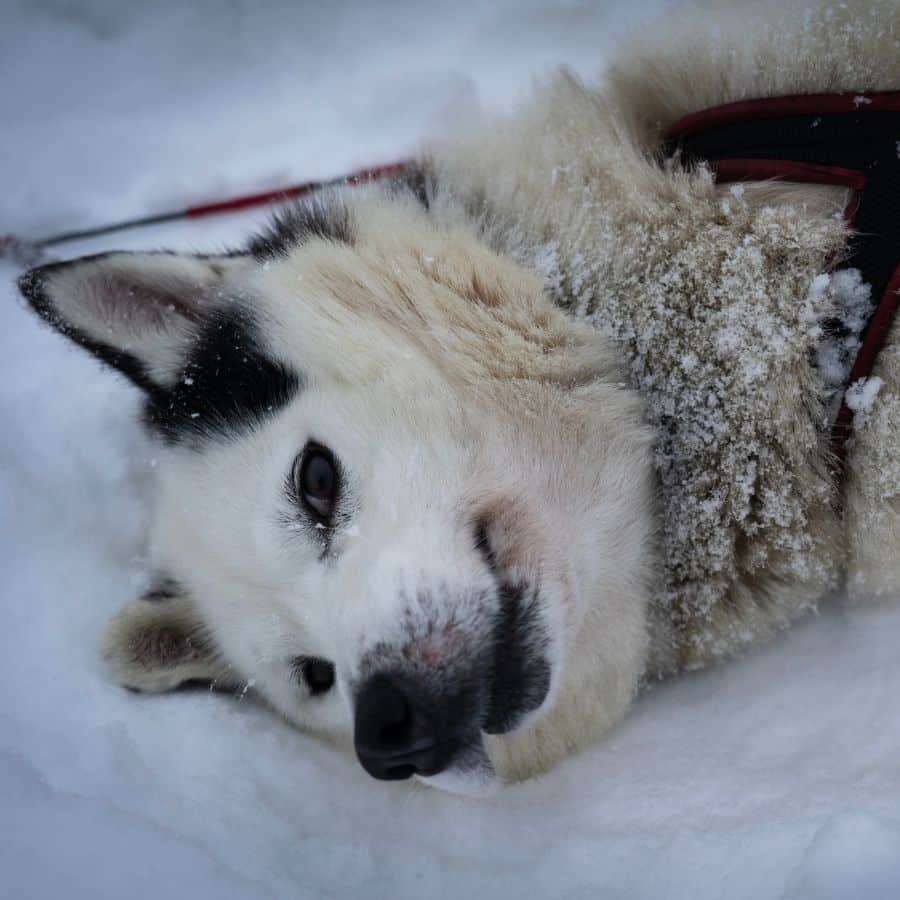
397, 412
361, 286
322, 313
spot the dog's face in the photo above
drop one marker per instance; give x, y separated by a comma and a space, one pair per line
405, 497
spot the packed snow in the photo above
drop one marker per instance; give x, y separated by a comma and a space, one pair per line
774, 776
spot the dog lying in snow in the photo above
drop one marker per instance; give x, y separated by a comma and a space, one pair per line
449, 465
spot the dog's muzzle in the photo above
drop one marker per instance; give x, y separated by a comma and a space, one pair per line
413, 719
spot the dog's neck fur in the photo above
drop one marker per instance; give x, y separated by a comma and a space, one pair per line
714, 294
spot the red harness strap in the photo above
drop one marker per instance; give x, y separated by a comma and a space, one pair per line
849, 140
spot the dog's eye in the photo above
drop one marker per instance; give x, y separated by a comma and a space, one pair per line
317, 674
316, 481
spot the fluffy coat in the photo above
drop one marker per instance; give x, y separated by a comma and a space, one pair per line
717, 298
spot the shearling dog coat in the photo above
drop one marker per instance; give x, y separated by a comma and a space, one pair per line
718, 297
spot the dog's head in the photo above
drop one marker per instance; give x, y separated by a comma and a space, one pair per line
407, 496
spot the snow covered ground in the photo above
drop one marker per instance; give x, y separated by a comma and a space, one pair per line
776, 776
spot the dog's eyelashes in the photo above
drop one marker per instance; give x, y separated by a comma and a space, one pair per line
316, 673
317, 481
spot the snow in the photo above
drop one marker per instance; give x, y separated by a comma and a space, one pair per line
836, 353
774, 776
861, 394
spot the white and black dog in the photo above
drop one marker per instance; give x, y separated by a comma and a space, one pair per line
450, 463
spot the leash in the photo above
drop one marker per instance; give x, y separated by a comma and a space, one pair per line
30, 252
850, 140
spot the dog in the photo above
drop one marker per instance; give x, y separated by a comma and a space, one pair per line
450, 465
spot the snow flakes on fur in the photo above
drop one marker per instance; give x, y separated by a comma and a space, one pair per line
712, 302
719, 332
719, 302
751, 537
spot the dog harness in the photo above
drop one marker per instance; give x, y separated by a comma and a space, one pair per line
849, 140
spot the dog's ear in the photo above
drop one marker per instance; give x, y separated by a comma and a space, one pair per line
138, 312
159, 642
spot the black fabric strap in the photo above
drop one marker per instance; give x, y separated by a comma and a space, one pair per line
868, 142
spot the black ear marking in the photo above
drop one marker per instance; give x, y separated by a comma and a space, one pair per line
136, 312
33, 285
180, 327
324, 216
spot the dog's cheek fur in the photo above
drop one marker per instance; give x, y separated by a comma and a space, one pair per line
598, 529
220, 526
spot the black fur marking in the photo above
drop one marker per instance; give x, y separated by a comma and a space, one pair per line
33, 285
419, 180
227, 386
520, 673
483, 546
323, 216
520, 676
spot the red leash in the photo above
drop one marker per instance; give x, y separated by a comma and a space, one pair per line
30, 252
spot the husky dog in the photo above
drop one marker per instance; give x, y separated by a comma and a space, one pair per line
450, 465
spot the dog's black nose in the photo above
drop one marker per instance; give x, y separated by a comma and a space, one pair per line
400, 732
